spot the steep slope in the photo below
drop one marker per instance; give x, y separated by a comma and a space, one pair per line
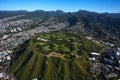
53, 56
92, 23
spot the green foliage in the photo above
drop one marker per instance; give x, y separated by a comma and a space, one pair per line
62, 57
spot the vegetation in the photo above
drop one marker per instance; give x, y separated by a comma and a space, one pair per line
64, 56
95, 24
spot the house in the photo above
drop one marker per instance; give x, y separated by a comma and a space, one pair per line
88, 37
94, 54
4, 76
44, 40
35, 79
1, 75
109, 44
9, 51
92, 59
117, 53
111, 75
107, 61
5, 37
119, 49
111, 58
8, 58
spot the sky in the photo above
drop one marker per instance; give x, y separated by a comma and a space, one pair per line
111, 6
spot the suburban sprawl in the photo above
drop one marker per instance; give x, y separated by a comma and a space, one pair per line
15, 31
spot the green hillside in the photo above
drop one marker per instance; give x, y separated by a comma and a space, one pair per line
53, 56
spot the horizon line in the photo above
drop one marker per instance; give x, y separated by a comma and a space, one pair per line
61, 10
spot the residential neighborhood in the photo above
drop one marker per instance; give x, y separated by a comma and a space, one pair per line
108, 60
98, 61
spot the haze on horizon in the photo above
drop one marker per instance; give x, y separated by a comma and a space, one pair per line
111, 6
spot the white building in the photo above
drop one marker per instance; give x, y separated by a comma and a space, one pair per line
95, 54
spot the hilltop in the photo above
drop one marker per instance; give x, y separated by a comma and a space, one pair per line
54, 56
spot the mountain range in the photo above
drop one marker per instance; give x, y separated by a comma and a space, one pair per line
63, 53
91, 23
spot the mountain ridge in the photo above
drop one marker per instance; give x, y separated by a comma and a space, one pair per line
90, 23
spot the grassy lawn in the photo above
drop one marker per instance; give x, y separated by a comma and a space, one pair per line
66, 43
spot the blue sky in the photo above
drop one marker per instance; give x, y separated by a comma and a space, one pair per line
112, 6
